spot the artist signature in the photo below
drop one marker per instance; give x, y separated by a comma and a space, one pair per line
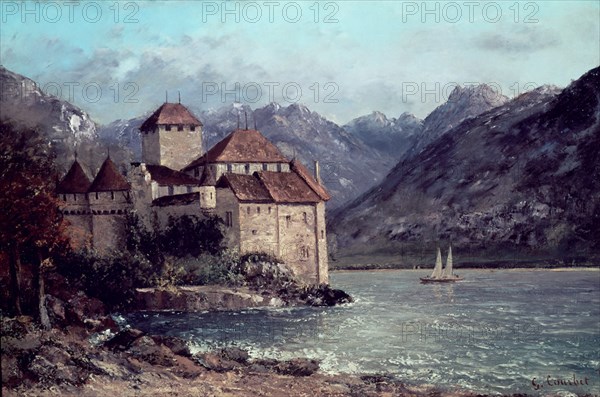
555, 381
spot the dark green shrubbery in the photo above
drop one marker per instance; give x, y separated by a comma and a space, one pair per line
151, 259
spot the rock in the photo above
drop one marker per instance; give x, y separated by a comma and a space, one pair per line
298, 367
216, 362
177, 345
124, 339
17, 327
82, 306
53, 365
12, 375
56, 310
235, 354
324, 295
146, 349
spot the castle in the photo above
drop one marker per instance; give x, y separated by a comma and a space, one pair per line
267, 202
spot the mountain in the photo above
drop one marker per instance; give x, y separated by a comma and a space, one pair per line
67, 127
392, 137
523, 177
462, 104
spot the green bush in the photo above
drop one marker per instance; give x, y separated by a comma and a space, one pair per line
208, 269
191, 236
110, 278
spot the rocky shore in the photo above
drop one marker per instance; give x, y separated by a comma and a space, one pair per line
75, 361
215, 297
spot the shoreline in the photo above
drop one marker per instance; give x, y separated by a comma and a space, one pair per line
479, 269
132, 363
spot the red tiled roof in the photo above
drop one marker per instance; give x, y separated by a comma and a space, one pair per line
170, 113
287, 187
177, 199
165, 176
245, 187
241, 146
109, 178
305, 174
75, 181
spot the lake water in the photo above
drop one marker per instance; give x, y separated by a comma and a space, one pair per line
494, 332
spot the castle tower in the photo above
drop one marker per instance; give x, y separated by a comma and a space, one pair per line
72, 191
208, 193
171, 136
109, 200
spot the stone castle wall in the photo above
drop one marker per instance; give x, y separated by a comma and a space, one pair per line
76, 211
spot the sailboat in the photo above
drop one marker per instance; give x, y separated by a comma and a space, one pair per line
440, 275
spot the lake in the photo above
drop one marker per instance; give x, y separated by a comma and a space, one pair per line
503, 331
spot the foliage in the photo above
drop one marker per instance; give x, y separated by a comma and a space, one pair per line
190, 236
221, 268
31, 225
110, 278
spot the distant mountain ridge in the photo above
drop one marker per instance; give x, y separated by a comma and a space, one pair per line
67, 127
521, 176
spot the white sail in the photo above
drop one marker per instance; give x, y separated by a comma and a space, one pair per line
437, 270
448, 269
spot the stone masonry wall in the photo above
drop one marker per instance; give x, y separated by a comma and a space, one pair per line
109, 211
258, 228
179, 148
297, 244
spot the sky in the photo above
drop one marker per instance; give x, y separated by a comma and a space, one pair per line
343, 59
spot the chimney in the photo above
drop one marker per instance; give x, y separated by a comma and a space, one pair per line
317, 172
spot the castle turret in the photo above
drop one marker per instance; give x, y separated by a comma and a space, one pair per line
72, 190
208, 194
171, 136
109, 197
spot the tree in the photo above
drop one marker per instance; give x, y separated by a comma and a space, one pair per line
31, 225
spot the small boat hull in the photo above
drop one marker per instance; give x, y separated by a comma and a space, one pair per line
439, 280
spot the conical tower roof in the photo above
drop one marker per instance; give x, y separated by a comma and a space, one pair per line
75, 181
208, 177
109, 178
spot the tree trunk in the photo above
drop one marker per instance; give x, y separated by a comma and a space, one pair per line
43, 311
15, 278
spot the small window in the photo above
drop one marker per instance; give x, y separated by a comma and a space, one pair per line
229, 218
180, 127
211, 195
112, 195
322, 234
202, 194
288, 220
254, 232
96, 195
269, 210
265, 166
278, 167
168, 127
229, 168
75, 197
258, 210
64, 197
192, 128
247, 168
305, 217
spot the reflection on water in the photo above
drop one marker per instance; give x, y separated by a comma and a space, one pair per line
444, 292
492, 332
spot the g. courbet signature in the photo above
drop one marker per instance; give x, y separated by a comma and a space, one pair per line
555, 381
